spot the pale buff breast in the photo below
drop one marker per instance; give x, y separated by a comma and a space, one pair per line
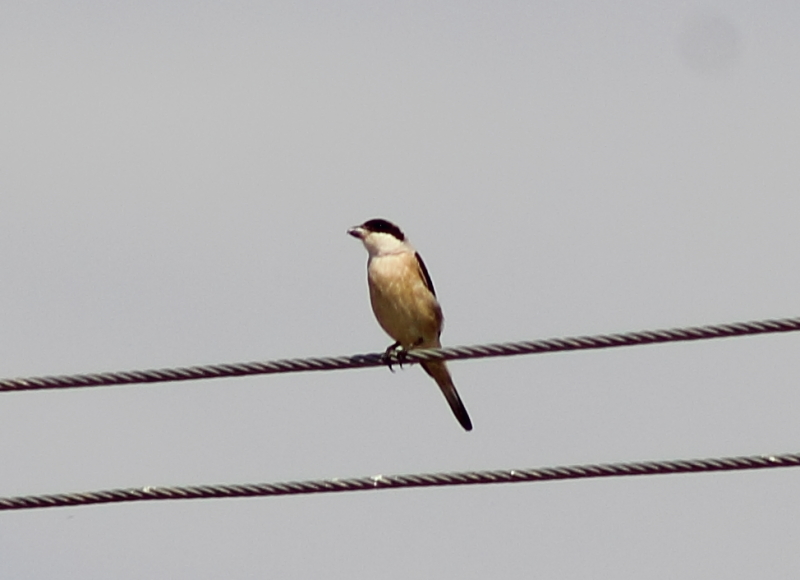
403, 305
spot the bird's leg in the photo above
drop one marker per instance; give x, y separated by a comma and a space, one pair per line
394, 351
402, 353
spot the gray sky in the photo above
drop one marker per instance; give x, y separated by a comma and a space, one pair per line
176, 183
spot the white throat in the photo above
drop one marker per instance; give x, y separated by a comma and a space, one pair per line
382, 244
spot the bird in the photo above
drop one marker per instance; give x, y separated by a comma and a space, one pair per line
404, 301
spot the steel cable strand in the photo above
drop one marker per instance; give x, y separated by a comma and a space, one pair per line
403, 481
379, 359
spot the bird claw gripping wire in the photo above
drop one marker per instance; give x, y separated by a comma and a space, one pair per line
394, 354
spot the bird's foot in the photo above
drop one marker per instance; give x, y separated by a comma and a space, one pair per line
395, 353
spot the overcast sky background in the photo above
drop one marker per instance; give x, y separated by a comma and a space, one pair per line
176, 180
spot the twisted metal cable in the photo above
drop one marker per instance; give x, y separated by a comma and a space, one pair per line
402, 481
415, 356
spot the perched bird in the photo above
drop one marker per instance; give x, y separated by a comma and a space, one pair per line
404, 301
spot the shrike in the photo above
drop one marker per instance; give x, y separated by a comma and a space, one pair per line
404, 301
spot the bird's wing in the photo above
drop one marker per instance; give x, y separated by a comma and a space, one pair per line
425, 275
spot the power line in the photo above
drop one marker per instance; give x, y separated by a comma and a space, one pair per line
402, 481
379, 359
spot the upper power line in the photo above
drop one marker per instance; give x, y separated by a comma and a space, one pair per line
414, 356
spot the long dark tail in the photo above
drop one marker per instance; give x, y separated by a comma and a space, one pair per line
438, 370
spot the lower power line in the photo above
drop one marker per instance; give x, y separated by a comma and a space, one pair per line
377, 482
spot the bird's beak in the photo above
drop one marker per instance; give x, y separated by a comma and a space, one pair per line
356, 232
